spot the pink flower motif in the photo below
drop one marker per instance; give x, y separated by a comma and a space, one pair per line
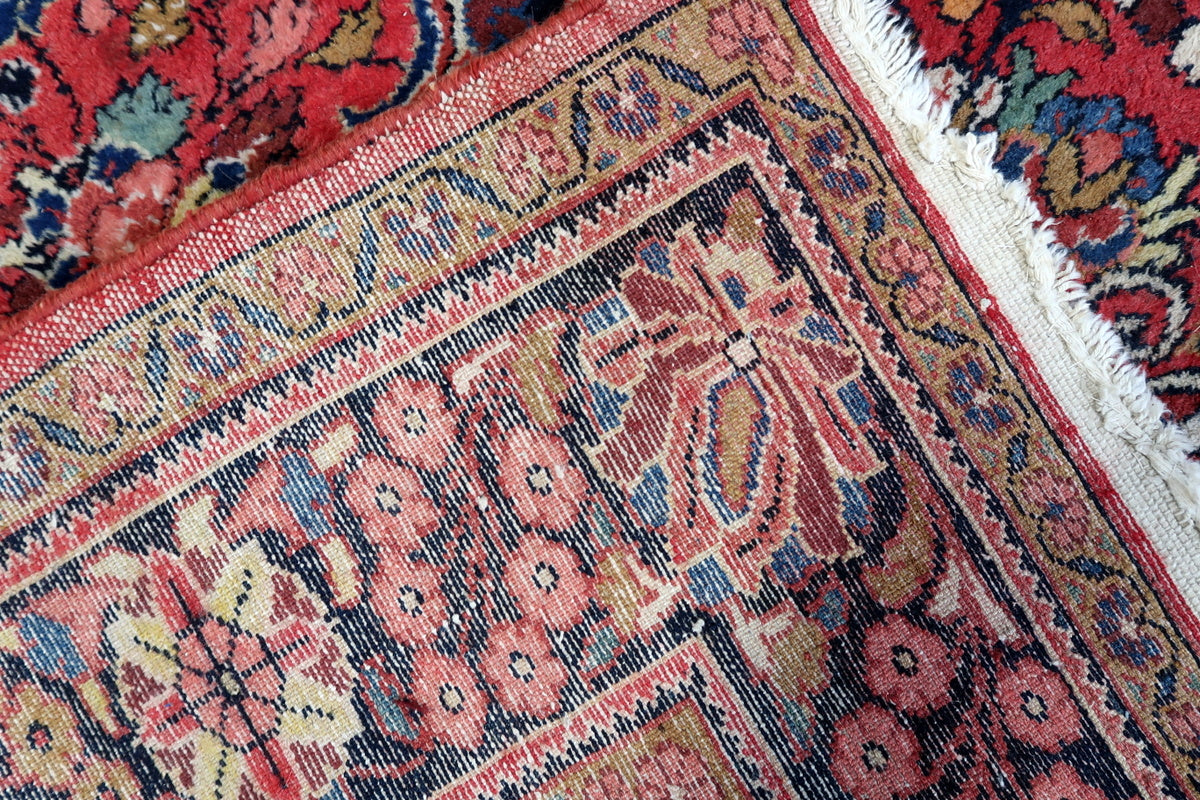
1063, 782
908, 666
102, 393
874, 758
229, 681
451, 704
1036, 706
304, 279
537, 475
409, 597
1058, 501
112, 222
919, 282
747, 27
221, 657
391, 503
523, 152
411, 417
548, 583
518, 663
672, 772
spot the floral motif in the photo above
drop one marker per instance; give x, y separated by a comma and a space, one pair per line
519, 665
451, 704
1058, 501
189, 101
215, 348
523, 152
907, 666
537, 475
918, 282
746, 27
1128, 638
104, 394
408, 596
1037, 707
222, 661
633, 110
829, 153
110, 220
874, 757
548, 582
416, 427
306, 280
391, 502
427, 230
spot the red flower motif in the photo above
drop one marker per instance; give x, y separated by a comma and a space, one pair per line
518, 663
672, 772
408, 596
391, 503
304, 279
1061, 505
522, 144
747, 27
537, 475
451, 704
1037, 707
548, 583
102, 393
908, 666
1063, 782
874, 758
411, 417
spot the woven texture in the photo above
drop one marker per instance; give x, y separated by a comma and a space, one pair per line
621, 421
1096, 105
118, 117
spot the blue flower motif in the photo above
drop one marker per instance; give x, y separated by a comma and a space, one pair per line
632, 111
215, 349
427, 231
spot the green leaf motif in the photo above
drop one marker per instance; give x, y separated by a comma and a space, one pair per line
148, 116
1028, 92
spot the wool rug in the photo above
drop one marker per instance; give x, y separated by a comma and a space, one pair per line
1095, 104
663, 406
118, 117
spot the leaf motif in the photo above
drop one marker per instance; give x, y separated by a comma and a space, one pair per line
353, 39
148, 116
1076, 19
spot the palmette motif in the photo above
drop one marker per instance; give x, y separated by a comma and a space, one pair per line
675, 463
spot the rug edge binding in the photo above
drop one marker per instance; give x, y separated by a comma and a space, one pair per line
1120, 420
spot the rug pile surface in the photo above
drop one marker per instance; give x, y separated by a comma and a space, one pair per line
623, 419
1096, 106
118, 117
